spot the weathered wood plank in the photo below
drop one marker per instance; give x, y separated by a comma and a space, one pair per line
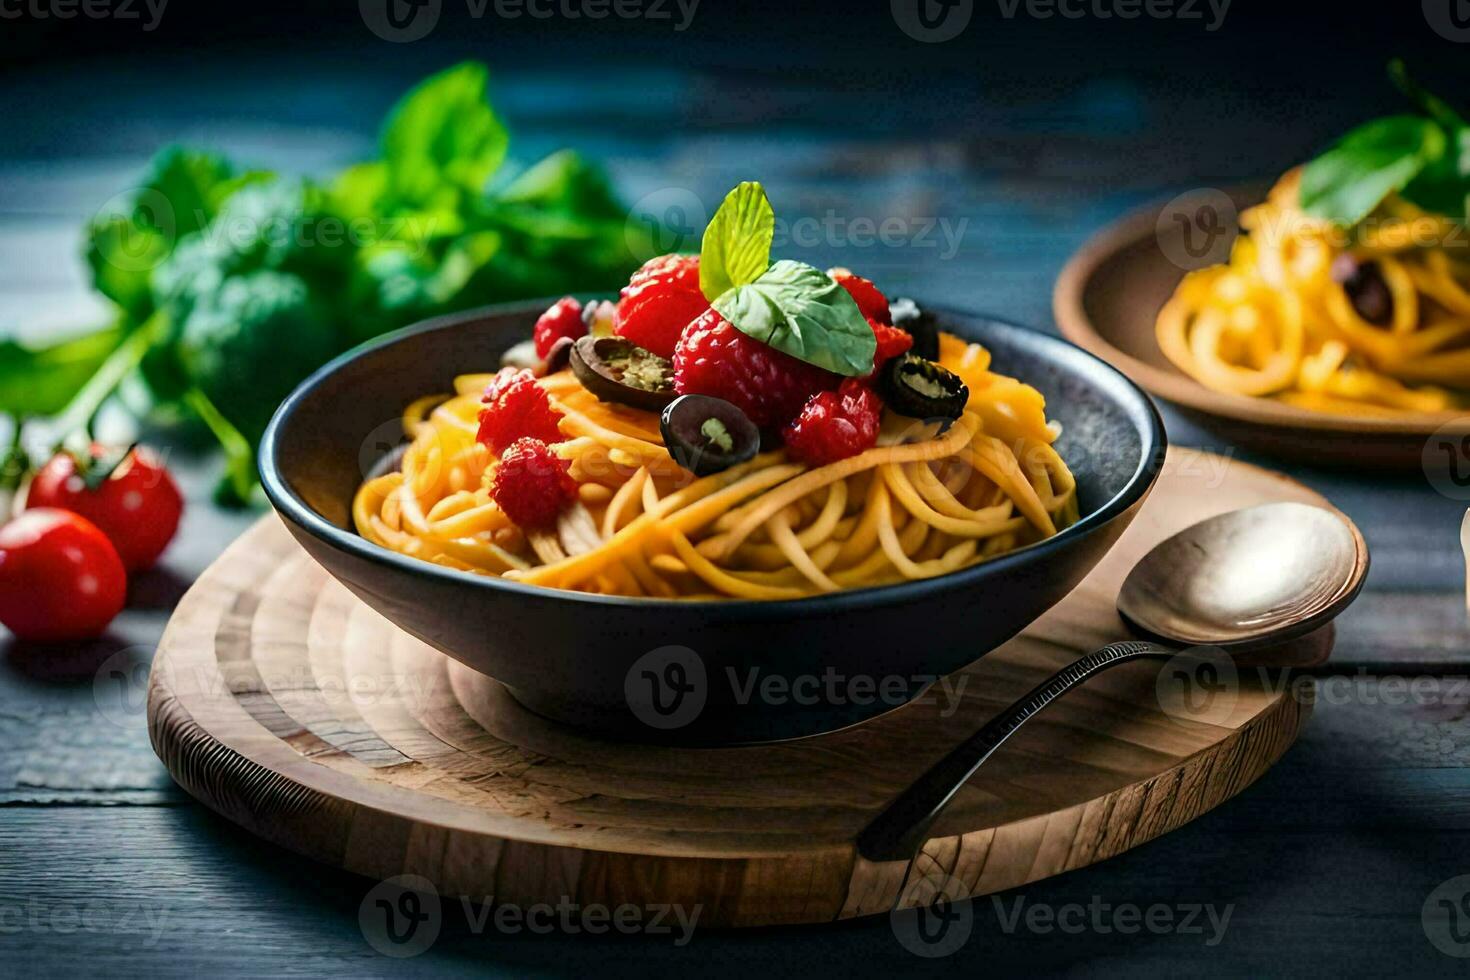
1403, 631
176, 892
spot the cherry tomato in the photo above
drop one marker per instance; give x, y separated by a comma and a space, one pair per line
60, 578
137, 506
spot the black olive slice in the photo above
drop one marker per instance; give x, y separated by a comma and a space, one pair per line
921, 325
617, 370
523, 355
706, 435
921, 389
1364, 285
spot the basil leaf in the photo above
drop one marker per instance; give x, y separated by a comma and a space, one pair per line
42, 380
122, 252
737, 243
359, 192
1443, 187
1347, 182
799, 310
131, 237
565, 183
443, 137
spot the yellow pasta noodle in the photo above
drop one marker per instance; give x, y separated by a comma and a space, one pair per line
922, 503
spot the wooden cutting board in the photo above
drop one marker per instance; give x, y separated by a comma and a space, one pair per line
290, 707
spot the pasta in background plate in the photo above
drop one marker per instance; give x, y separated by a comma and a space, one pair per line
1373, 320
1348, 290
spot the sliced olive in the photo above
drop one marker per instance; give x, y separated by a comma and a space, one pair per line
706, 434
1364, 285
617, 370
523, 355
921, 389
922, 325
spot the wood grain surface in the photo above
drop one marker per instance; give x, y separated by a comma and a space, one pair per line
293, 709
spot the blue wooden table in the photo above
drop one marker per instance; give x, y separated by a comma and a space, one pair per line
1326, 865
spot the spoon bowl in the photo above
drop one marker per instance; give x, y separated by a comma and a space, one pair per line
1248, 579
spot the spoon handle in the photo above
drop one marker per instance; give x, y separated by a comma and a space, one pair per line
900, 830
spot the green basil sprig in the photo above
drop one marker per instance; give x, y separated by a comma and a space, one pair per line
798, 309
231, 285
737, 244
1425, 158
790, 306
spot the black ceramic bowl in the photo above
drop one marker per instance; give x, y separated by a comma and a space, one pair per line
698, 672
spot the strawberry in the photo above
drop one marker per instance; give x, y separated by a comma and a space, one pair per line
659, 301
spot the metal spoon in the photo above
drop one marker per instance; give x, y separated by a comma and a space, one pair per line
1465, 547
1241, 581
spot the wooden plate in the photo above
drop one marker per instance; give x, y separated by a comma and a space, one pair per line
290, 707
1110, 293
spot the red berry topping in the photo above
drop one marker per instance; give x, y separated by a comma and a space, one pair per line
516, 406
873, 304
659, 301
562, 319
835, 425
532, 484
713, 358
892, 341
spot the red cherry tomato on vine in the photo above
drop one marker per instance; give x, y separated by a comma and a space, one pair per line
137, 505
60, 578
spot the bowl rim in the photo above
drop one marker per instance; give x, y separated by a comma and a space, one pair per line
1171, 384
290, 506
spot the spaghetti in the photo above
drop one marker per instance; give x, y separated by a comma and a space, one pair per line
919, 504
1289, 315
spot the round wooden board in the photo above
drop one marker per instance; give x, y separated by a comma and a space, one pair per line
290, 707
